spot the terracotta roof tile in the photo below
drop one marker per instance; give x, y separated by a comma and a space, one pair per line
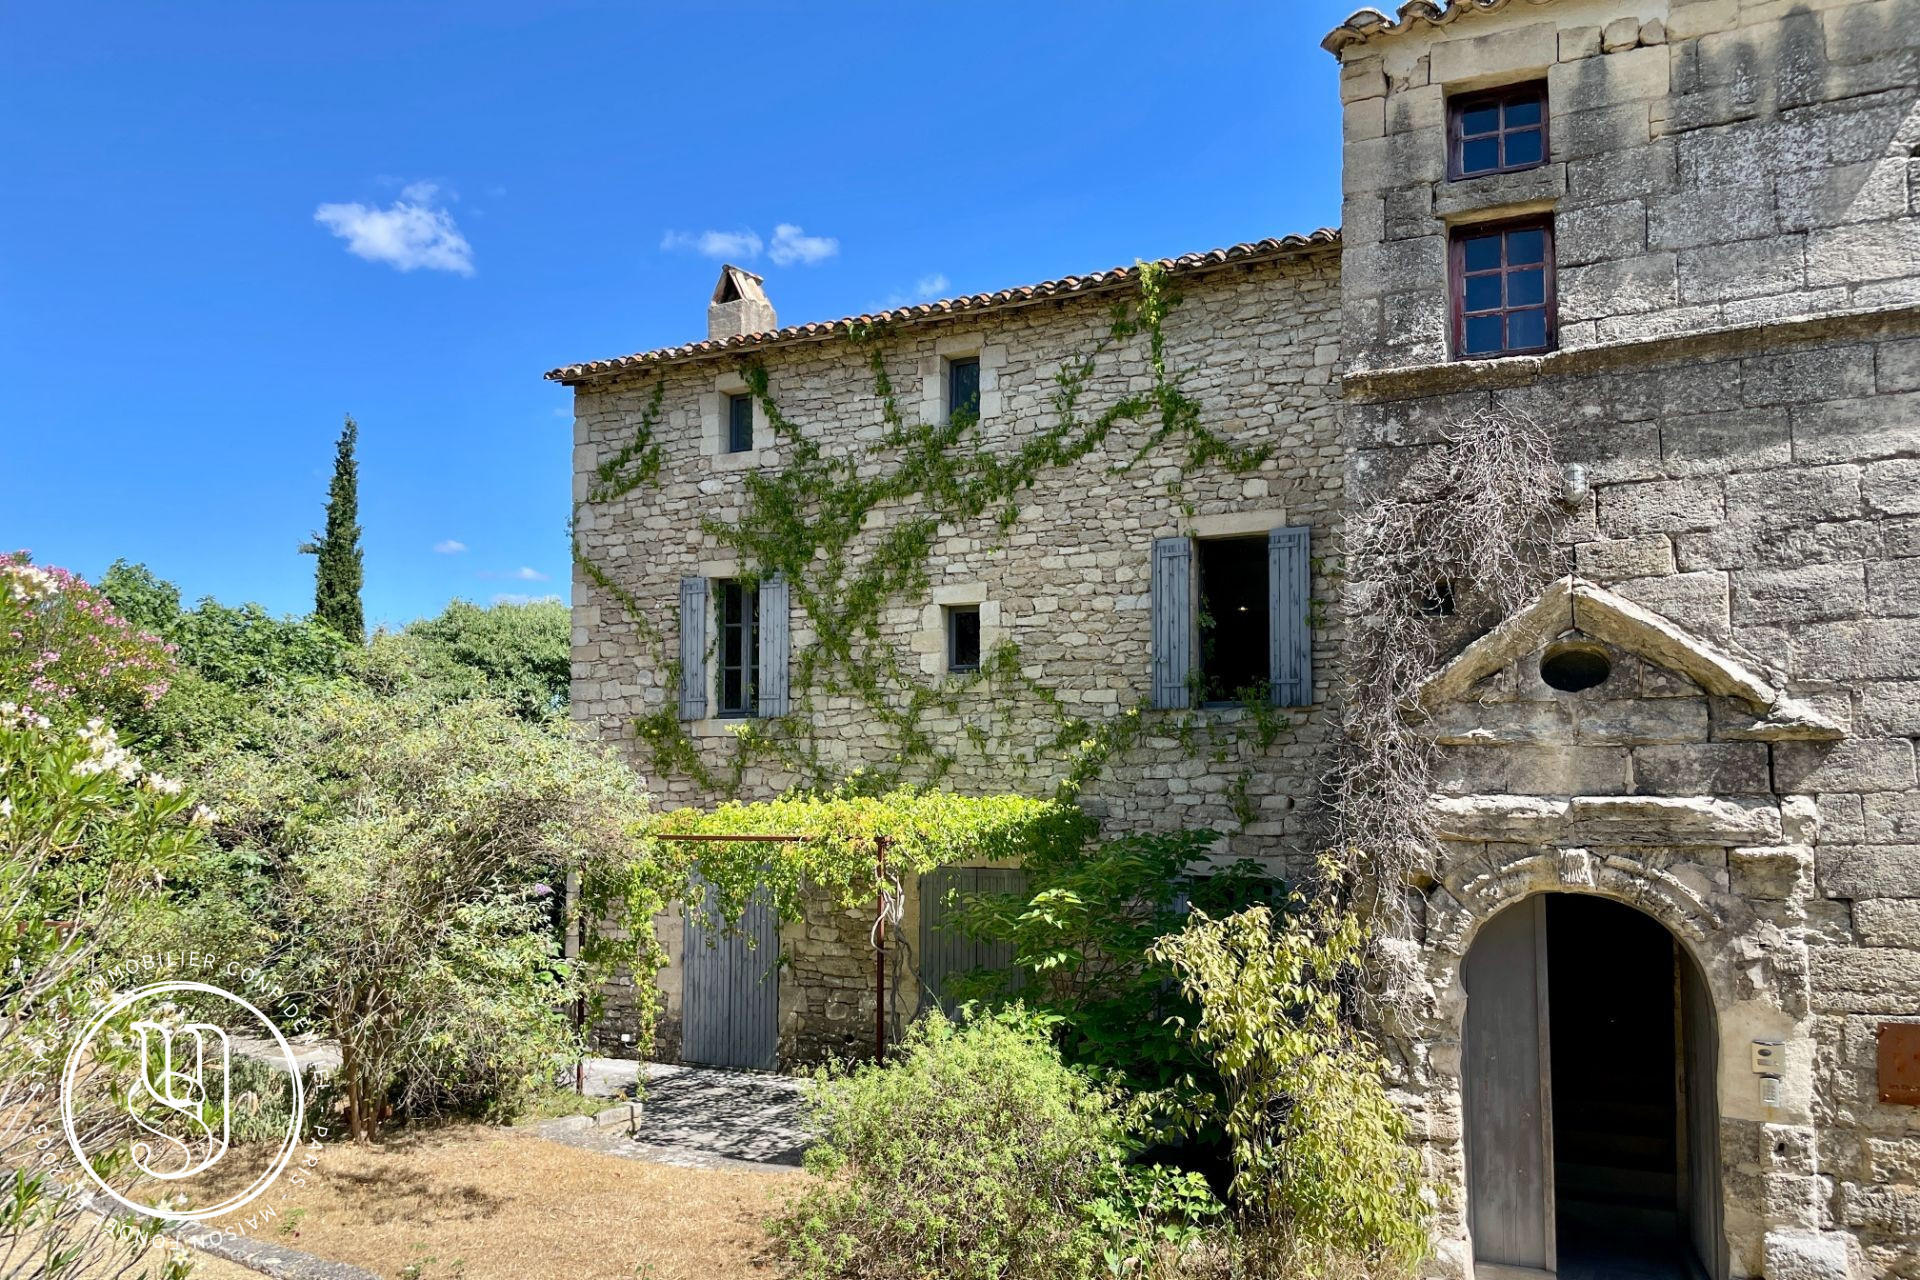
946, 307
1365, 24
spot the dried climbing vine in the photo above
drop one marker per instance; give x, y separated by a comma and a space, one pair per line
1465, 538
808, 522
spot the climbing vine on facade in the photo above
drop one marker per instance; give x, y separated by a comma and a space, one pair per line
807, 521
1465, 538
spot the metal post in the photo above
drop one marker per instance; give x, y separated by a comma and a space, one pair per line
880, 950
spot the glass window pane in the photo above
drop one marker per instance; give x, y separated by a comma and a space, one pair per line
1480, 155
739, 424
963, 386
1527, 287
1483, 293
1523, 148
1526, 246
964, 648
1480, 120
1481, 253
1525, 112
1526, 330
1483, 335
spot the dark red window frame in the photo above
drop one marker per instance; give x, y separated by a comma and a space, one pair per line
1506, 128
1509, 272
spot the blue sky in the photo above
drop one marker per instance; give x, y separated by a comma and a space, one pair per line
231, 223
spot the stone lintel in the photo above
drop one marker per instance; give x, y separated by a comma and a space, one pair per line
1609, 820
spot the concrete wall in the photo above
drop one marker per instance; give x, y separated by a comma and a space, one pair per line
1732, 188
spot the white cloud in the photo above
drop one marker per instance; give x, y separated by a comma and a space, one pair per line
527, 574
743, 245
414, 231
450, 547
925, 289
791, 245
512, 597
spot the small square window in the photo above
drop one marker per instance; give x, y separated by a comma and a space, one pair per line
963, 388
1502, 282
1497, 132
739, 423
963, 637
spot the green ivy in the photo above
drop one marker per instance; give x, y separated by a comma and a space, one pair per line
807, 521
924, 828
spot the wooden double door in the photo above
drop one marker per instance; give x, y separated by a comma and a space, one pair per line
1588, 1071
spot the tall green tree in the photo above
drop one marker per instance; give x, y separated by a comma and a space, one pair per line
337, 578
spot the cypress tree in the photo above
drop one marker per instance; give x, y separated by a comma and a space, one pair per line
337, 576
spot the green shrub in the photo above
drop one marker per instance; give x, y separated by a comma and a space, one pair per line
414, 851
1083, 934
1322, 1166
975, 1154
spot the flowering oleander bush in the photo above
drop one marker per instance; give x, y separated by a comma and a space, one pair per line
66, 652
91, 843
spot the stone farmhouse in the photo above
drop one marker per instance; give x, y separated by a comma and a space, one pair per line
1669, 963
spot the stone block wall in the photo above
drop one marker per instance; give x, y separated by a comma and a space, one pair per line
1731, 184
1068, 583
1713, 164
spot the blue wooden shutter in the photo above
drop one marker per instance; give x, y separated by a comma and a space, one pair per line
1289, 601
775, 647
693, 648
1172, 620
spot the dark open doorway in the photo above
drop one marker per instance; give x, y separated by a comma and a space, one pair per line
1589, 1060
1616, 1128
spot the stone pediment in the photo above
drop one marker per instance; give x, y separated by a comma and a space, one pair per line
1572, 604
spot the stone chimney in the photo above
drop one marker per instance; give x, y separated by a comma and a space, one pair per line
739, 305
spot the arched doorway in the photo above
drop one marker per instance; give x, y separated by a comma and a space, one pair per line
1591, 1125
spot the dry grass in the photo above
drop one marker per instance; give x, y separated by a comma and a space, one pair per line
484, 1203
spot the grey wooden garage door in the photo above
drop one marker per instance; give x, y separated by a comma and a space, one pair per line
730, 1002
944, 950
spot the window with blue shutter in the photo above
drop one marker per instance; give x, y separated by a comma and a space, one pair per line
693, 648
776, 647
736, 614
1235, 618
1290, 625
1172, 608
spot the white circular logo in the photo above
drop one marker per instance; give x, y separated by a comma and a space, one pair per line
179, 1108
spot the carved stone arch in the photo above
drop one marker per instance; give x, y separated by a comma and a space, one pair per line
1453, 920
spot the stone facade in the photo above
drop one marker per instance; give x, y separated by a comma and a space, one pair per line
1733, 191
1068, 583
1731, 185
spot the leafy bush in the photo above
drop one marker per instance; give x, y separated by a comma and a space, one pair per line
415, 850
1083, 935
88, 839
1321, 1160
519, 653
976, 1154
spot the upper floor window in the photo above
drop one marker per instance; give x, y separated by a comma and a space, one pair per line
1498, 131
1234, 620
1502, 284
739, 423
963, 387
963, 637
737, 613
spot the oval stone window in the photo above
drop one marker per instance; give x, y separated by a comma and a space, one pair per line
1573, 668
